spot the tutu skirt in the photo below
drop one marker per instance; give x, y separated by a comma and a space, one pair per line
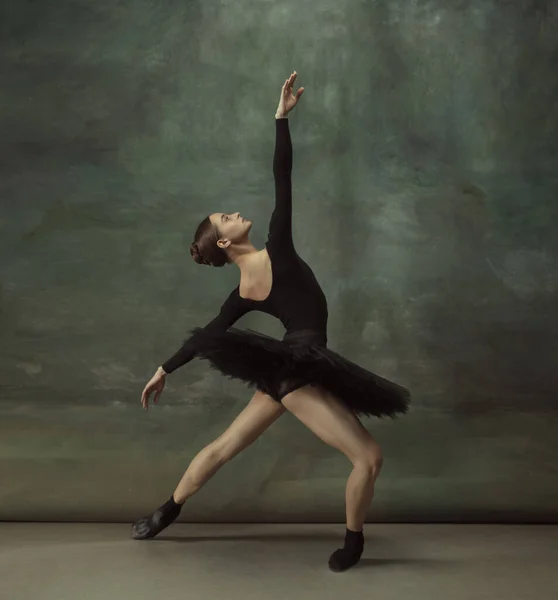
278, 367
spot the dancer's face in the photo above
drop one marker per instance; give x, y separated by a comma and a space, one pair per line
232, 228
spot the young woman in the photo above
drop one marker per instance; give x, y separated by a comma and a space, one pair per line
299, 373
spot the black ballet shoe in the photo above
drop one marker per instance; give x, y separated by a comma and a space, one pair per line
343, 559
348, 556
147, 528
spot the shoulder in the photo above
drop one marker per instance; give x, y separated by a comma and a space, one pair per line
233, 297
280, 249
234, 302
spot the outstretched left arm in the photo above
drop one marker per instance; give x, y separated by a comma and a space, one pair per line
231, 310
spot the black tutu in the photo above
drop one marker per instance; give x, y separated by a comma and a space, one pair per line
278, 367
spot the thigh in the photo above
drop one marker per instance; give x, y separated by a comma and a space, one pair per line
332, 421
261, 412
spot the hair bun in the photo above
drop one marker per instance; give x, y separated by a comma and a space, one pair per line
195, 253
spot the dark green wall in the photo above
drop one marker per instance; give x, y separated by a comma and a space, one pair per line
425, 192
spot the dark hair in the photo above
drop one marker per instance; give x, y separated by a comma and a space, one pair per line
204, 249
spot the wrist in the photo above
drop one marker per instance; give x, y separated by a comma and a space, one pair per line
281, 114
161, 371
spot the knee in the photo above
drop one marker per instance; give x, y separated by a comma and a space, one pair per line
371, 460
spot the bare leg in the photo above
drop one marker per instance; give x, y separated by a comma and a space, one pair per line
258, 415
339, 427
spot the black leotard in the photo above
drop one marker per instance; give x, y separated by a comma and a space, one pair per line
296, 297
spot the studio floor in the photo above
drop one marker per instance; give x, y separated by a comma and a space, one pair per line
267, 562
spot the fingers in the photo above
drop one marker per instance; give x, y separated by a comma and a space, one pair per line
145, 399
290, 81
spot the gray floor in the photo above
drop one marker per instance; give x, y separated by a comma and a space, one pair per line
264, 562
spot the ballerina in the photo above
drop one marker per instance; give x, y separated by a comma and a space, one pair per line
324, 390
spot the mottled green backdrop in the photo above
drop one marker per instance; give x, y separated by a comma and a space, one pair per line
425, 197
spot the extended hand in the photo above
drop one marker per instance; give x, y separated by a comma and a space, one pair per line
289, 100
156, 384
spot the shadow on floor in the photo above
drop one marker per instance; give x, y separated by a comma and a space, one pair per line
435, 563
277, 537
373, 544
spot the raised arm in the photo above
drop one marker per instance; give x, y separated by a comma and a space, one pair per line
230, 312
280, 225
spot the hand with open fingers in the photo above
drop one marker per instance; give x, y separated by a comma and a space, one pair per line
289, 100
155, 384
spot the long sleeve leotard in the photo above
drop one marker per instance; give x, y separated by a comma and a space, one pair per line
296, 297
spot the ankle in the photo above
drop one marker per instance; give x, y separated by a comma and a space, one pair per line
177, 499
170, 508
354, 538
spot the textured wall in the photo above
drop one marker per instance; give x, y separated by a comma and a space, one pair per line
425, 186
